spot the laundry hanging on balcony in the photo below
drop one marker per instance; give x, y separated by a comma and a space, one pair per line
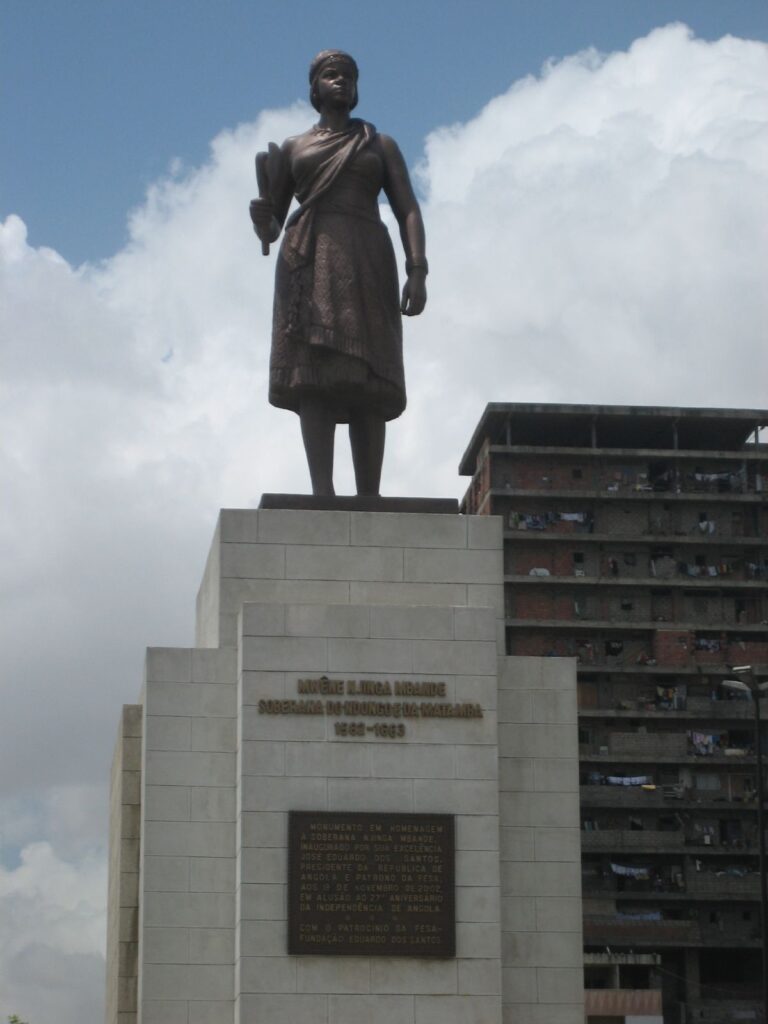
704, 743
629, 872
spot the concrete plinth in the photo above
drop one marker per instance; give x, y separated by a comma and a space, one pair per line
364, 599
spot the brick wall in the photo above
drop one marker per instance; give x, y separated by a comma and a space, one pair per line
628, 563
649, 743
754, 651
542, 645
558, 559
534, 603
629, 519
541, 473
616, 607
672, 646
480, 484
677, 647
662, 606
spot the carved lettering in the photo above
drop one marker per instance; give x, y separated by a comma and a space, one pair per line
374, 883
291, 707
369, 687
323, 686
405, 689
450, 710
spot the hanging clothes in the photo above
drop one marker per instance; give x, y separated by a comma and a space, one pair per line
628, 780
704, 743
630, 872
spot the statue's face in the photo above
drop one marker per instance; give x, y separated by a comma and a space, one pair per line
336, 85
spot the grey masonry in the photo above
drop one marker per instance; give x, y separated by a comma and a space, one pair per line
218, 751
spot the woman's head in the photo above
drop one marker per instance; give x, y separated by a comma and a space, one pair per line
331, 59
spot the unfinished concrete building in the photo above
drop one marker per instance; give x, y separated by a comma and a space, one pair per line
636, 541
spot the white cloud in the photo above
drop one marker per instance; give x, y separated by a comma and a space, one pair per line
609, 219
594, 236
52, 937
56, 902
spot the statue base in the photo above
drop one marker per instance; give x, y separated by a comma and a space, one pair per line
347, 803
360, 503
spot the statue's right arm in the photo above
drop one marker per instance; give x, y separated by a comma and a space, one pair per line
268, 215
285, 187
264, 223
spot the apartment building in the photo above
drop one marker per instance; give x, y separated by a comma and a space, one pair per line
636, 541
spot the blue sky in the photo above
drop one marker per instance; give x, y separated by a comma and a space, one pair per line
99, 96
595, 232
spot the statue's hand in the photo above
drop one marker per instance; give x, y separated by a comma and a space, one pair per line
264, 221
414, 293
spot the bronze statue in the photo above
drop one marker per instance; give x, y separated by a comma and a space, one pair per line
337, 349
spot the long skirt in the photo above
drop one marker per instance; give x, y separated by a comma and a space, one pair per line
337, 328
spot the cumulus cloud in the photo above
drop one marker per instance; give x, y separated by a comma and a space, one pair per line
608, 216
594, 236
52, 937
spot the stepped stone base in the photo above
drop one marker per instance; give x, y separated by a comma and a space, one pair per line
368, 602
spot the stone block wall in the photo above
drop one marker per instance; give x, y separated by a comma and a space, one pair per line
540, 858
188, 837
287, 594
123, 894
277, 556
440, 766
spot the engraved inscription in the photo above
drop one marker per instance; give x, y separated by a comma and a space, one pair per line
371, 884
308, 702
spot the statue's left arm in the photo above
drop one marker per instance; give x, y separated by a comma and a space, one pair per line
405, 207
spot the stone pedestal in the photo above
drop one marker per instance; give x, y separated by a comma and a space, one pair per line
382, 606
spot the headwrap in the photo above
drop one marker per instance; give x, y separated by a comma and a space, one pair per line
322, 60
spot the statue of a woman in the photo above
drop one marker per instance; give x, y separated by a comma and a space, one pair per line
337, 333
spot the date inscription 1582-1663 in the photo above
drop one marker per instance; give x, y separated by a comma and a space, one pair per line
371, 884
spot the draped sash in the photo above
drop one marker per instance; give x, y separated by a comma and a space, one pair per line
324, 157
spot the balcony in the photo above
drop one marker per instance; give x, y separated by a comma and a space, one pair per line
733, 581
695, 708
625, 841
667, 751
622, 796
698, 843
734, 457
747, 937
589, 754
638, 648
647, 746
639, 626
622, 1002
626, 888
604, 930
726, 1011
611, 930
707, 885
634, 493
670, 797
720, 708
648, 536
710, 883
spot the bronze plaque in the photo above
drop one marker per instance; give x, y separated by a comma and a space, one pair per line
371, 884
